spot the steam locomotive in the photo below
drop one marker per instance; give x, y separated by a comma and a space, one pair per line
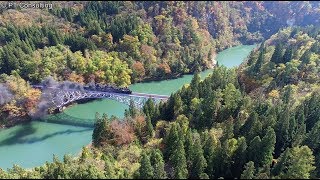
107, 88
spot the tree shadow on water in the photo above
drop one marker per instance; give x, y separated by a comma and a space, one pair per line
20, 135
66, 119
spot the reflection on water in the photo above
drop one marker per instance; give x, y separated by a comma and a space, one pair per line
34, 143
64, 118
20, 135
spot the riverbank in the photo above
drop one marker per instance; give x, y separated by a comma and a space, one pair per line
13, 121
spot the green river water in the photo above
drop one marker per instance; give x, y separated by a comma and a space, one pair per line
32, 144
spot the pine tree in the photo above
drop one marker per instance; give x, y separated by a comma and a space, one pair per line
52, 38
254, 150
188, 144
296, 162
210, 155
199, 162
195, 84
287, 55
312, 110
287, 95
313, 138
99, 127
157, 163
149, 109
252, 127
240, 157
228, 129
149, 127
178, 160
133, 111
267, 147
263, 172
145, 170
281, 163
305, 58
171, 140
300, 115
250, 59
277, 54
249, 171
178, 105
260, 60
315, 47
292, 128
282, 132
300, 135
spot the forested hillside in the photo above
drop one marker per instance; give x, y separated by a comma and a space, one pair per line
260, 120
216, 127
156, 40
289, 59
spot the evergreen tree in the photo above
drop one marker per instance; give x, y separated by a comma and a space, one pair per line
188, 144
209, 151
249, 171
282, 132
263, 172
178, 160
300, 135
292, 129
280, 165
313, 138
297, 162
145, 170
52, 38
317, 164
267, 147
277, 54
178, 105
172, 139
133, 111
240, 157
100, 127
252, 127
305, 58
229, 128
149, 127
260, 61
195, 84
287, 55
149, 110
254, 150
199, 163
157, 163
287, 95
300, 115
312, 110
315, 47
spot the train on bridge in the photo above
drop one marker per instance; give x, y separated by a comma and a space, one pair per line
95, 87
107, 88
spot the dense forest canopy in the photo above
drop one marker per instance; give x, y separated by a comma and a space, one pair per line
260, 120
157, 40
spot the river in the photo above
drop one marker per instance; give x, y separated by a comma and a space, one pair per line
32, 144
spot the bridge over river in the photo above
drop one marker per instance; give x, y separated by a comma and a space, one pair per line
61, 97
